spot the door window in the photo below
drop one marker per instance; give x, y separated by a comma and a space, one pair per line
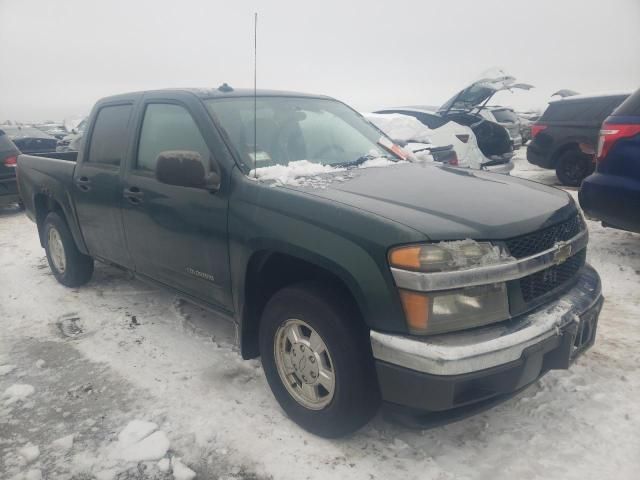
168, 127
110, 135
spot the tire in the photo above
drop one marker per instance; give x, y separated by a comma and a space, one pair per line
355, 396
572, 167
70, 267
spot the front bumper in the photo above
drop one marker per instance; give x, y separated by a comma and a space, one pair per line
457, 370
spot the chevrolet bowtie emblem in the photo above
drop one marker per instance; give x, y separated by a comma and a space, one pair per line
563, 251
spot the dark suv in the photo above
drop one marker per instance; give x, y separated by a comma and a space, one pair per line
566, 135
612, 193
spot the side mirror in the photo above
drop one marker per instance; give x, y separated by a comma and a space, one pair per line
184, 168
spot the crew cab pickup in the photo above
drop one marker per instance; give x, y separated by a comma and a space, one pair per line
359, 277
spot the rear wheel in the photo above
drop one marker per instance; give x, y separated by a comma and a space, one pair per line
572, 167
70, 267
317, 359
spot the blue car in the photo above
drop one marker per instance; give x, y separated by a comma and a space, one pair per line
612, 193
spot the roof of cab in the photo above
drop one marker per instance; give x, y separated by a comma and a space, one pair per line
214, 93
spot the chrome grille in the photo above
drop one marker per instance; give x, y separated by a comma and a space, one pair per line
536, 242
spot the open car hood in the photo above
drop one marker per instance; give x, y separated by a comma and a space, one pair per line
480, 91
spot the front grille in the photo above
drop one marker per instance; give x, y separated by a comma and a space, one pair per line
544, 281
536, 242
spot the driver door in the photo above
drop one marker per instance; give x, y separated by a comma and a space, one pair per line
176, 235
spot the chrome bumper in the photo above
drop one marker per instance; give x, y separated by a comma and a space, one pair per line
490, 346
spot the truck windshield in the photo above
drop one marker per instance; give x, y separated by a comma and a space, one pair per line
294, 128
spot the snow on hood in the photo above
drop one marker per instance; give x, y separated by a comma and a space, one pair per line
295, 173
304, 173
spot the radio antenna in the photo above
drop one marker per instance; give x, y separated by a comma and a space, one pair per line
255, 95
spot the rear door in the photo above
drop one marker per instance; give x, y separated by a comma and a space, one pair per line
98, 183
177, 235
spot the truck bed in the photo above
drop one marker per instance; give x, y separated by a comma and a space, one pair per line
47, 176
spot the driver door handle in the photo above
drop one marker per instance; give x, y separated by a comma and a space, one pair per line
133, 195
83, 183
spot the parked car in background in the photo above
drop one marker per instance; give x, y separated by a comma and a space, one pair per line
525, 129
431, 288
30, 139
8, 161
566, 136
56, 130
612, 193
476, 140
408, 127
72, 141
506, 117
469, 106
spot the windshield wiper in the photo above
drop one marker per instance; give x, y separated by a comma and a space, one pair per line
361, 160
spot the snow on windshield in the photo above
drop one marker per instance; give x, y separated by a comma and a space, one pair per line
309, 174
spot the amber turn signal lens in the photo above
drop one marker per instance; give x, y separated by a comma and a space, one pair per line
405, 257
416, 310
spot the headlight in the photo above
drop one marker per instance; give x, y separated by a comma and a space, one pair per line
446, 256
456, 309
451, 310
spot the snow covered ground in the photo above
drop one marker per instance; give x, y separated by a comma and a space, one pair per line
118, 380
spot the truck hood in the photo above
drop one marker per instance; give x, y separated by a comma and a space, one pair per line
447, 203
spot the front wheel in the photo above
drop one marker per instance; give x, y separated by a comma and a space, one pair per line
70, 267
317, 359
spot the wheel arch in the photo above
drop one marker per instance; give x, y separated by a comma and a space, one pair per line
43, 205
268, 271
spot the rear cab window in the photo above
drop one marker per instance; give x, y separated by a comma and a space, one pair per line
110, 135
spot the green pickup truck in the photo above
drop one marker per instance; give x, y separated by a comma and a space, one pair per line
358, 276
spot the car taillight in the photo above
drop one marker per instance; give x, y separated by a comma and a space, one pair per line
611, 133
11, 162
536, 129
454, 159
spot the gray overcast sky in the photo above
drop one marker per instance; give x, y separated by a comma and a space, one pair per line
58, 57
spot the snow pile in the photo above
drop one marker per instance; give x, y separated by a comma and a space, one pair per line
29, 452
33, 474
140, 441
380, 162
64, 443
401, 128
5, 369
181, 471
17, 392
295, 173
304, 173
